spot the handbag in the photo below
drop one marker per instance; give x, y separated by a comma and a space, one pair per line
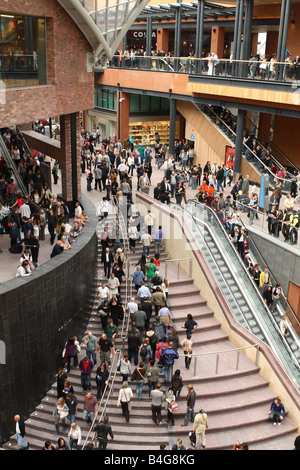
192, 436
173, 407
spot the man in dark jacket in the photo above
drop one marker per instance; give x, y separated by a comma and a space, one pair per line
134, 342
167, 359
20, 432
103, 429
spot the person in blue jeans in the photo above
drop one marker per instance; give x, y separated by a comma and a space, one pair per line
190, 405
277, 411
20, 432
140, 372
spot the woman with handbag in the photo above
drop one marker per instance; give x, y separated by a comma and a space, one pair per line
124, 367
171, 405
125, 395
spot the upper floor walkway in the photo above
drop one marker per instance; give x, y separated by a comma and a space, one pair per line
272, 87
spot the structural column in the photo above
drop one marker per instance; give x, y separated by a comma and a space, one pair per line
149, 42
172, 126
239, 142
282, 36
70, 158
247, 36
123, 115
238, 28
199, 35
177, 39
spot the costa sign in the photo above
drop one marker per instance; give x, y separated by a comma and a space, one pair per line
142, 34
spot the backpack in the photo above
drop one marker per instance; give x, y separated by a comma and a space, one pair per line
143, 351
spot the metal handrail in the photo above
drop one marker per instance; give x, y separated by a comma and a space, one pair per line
275, 325
270, 271
280, 165
112, 374
272, 144
177, 260
225, 351
12, 166
264, 216
194, 219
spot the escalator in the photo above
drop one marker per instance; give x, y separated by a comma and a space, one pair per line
257, 164
242, 295
12, 167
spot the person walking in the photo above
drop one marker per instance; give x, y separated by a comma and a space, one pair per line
103, 429
170, 416
139, 374
157, 397
91, 343
60, 413
158, 239
152, 376
102, 376
187, 346
20, 432
86, 366
190, 404
74, 436
90, 407
106, 348
124, 399
124, 367
199, 427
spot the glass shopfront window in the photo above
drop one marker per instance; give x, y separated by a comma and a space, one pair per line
22, 51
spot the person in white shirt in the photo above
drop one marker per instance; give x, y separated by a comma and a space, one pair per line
132, 306
113, 285
74, 436
24, 270
78, 210
149, 221
146, 241
102, 294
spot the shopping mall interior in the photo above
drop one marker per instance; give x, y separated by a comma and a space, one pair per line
167, 131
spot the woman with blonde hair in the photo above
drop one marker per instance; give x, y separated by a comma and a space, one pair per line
61, 412
124, 398
74, 436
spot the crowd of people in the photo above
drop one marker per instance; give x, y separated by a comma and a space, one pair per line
264, 66
28, 219
153, 345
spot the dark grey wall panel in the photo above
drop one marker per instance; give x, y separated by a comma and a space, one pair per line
37, 315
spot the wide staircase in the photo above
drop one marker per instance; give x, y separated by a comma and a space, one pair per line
236, 401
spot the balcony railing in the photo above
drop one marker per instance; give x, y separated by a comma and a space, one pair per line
234, 69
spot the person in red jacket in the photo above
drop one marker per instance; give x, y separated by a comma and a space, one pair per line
86, 366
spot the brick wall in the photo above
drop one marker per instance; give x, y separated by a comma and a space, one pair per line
70, 87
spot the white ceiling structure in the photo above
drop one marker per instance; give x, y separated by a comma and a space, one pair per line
104, 22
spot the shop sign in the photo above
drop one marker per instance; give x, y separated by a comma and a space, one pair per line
142, 34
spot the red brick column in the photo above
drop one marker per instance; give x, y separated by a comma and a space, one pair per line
66, 159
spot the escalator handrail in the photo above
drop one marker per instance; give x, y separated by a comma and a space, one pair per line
270, 271
280, 165
173, 206
296, 362
12, 166
267, 169
271, 144
103, 400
